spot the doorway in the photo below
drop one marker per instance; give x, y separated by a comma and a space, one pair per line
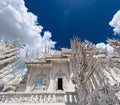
60, 84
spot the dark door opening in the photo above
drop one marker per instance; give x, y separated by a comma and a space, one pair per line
60, 84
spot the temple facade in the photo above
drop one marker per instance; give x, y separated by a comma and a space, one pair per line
50, 73
81, 75
48, 80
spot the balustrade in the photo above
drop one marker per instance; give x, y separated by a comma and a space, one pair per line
68, 97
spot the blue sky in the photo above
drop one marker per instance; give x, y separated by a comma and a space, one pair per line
88, 19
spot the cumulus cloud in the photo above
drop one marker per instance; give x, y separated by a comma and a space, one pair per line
47, 39
101, 46
17, 22
110, 49
115, 23
104, 46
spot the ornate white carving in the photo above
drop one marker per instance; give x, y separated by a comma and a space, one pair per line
95, 73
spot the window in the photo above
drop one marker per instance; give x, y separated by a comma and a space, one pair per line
38, 83
60, 84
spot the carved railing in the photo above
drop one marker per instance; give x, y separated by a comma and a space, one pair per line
68, 97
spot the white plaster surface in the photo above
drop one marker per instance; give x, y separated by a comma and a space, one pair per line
37, 104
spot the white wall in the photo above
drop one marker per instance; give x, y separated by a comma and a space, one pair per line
58, 70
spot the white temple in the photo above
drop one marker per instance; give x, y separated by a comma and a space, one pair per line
82, 75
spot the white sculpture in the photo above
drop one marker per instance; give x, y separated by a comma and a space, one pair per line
96, 79
95, 74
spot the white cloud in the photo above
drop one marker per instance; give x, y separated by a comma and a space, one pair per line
115, 23
110, 49
104, 46
101, 46
46, 39
16, 21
